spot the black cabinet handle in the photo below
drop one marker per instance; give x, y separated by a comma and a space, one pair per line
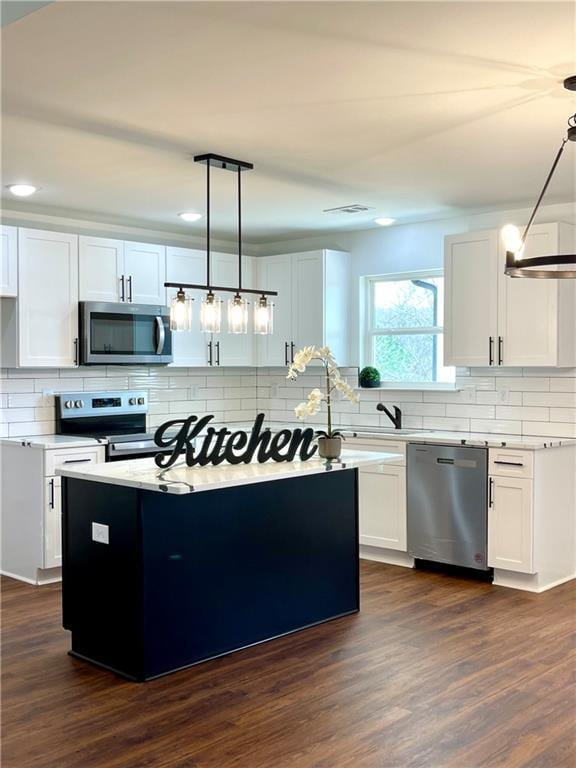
51, 500
500, 350
510, 463
210, 361
76, 461
75, 351
130, 288
491, 350
285, 353
490, 492
122, 289
217, 353
292, 345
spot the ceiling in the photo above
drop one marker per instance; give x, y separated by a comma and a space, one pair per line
416, 109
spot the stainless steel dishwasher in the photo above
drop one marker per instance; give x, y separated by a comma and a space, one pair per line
447, 505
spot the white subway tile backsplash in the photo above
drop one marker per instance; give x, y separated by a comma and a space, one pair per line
16, 385
548, 429
565, 415
471, 411
30, 428
54, 386
567, 384
9, 415
551, 399
499, 426
524, 413
523, 384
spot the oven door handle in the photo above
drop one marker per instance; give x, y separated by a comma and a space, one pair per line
161, 335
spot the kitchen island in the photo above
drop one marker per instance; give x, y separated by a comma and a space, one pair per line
164, 568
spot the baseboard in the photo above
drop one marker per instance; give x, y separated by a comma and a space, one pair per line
53, 576
388, 556
521, 581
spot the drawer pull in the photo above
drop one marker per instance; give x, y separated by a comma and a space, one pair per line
510, 463
76, 461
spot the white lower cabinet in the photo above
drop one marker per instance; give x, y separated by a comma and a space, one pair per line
53, 523
31, 503
510, 524
382, 497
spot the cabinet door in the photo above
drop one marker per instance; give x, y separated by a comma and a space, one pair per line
9, 261
308, 299
47, 299
100, 267
510, 525
382, 505
471, 298
53, 523
528, 309
275, 274
145, 273
189, 348
233, 349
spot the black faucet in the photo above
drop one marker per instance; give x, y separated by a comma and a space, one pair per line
396, 419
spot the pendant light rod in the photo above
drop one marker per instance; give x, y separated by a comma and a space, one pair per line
544, 188
195, 287
239, 229
208, 226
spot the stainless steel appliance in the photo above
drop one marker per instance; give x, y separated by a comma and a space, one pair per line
123, 334
447, 504
118, 417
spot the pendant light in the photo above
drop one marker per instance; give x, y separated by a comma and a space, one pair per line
211, 305
237, 306
181, 312
517, 265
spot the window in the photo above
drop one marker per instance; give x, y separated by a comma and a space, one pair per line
405, 338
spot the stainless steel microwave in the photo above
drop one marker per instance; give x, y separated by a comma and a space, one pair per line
124, 334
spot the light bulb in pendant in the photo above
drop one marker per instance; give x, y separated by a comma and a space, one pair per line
512, 240
181, 312
210, 314
263, 316
237, 315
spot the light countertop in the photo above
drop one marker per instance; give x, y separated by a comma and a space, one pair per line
181, 479
47, 442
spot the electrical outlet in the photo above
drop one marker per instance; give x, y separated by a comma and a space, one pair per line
100, 533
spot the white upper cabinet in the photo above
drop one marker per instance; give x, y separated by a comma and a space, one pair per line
232, 349
47, 299
145, 272
190, 348
470, 322
101, 264
114, 270
495, 320
311, 307
536, 317
9, 261
275, 274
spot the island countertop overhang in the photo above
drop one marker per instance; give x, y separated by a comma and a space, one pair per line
181, 479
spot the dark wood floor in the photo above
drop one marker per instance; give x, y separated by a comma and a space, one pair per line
435, 672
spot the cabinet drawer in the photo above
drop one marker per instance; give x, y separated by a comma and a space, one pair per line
505, 462
59, 458
380, 446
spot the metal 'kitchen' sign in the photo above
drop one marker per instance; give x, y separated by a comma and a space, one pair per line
221, 445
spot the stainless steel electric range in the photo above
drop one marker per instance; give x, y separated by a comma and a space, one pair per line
119, 418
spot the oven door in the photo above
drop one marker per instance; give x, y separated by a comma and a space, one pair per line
124, 334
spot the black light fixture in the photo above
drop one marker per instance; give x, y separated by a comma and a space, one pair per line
516, 265
211, 305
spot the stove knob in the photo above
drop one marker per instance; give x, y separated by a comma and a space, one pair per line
69, 404
132, 401
79, 403
141, 401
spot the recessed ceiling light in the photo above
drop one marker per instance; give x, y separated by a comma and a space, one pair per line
190, 216
22, 190
384, 221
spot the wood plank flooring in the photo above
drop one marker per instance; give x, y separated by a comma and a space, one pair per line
435, 672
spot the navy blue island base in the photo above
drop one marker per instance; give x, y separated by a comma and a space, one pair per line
186, 578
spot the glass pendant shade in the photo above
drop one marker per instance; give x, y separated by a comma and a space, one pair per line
512, 240
210, 314
181, 313
237, 315
263, 317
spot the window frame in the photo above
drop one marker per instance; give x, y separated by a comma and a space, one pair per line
371, 332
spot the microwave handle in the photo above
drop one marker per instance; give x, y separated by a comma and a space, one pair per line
161, 335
